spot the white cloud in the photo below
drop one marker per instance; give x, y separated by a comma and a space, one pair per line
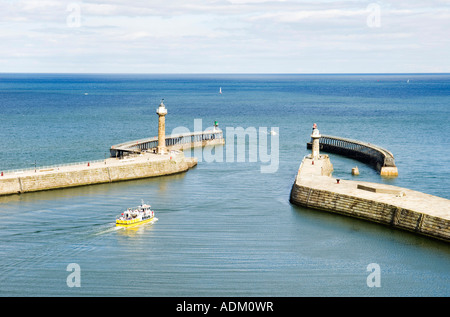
295, 16
224, 36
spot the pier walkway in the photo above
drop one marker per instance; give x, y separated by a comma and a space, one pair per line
401, 208
156, 156
131, 160
173, 142
397, 207
379, 158
96, 172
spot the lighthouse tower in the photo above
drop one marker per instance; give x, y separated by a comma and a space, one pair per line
161, 111
315, 137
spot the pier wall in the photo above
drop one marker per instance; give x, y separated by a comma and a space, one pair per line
94, 174
393, 206
383, 213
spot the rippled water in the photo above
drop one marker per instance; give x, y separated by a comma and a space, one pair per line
224, 228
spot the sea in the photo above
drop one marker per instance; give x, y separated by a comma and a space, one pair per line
225, 228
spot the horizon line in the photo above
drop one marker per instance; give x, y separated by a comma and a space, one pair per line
157, 73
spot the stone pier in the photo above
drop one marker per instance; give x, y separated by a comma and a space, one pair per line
99, 172
379, 158
401, 208
157, 156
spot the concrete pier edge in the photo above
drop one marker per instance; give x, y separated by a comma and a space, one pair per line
113, 170
396, 207
157, 156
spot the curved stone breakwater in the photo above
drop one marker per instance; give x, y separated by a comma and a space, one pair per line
172, 142
397, 207
379, 158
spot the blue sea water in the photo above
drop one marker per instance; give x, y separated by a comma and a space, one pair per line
224, 228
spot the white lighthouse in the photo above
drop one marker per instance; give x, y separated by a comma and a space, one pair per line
315, 137
162, 111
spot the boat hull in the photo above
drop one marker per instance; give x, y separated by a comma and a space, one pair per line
133, 222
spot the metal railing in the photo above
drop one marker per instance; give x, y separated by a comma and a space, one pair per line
363, 151
174, 140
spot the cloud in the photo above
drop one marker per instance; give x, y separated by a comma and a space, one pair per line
296, 16
223, 35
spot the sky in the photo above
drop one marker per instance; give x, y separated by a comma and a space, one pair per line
224, 36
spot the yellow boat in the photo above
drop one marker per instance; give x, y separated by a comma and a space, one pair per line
136, 216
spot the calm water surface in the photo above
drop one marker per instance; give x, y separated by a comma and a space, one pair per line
224, 228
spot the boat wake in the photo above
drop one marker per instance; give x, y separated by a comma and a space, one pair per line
109, 228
